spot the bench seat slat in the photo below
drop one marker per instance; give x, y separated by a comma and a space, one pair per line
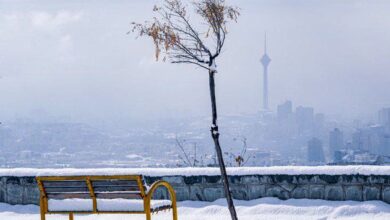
64, 186
114, 183
118, 195
71, 183
115, 188
69, 196
66, 189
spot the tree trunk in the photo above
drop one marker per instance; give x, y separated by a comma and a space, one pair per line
215, 136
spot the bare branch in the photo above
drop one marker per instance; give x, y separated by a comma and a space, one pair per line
180, 145
195, 160
174, 36
191, 62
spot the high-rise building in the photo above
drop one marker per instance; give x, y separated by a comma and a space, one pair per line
340, 156
386, 145
304, 117
357, 140
377, 138
319, 124
319, 120
284, 111
315, 152
336, 141
265, 60
373, 139
384, 117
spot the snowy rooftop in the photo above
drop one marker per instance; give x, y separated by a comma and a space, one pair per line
287, 170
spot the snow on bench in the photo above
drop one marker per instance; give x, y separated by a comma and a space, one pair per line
104, 205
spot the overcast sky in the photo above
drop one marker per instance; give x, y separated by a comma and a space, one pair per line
74, 58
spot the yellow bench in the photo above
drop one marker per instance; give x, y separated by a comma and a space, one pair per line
125, 194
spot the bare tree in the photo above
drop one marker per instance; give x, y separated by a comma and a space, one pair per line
187, 158
241, 158
183, 43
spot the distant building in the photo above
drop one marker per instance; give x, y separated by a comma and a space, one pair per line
348, 146
336, 141
319, 124
319, 120
284, 111
357, 140
340, 156
358, 157
377, 139
305, 118
387, 145
384, 117
315, 152
373, 139
357, 124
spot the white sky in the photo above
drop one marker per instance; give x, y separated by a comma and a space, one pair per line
74, 58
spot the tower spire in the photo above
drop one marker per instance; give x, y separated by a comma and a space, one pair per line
265, 60
265, 42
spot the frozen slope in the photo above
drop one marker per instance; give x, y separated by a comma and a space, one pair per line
265, 208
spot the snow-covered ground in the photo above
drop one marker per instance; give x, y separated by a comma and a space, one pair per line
265, 208
288, 170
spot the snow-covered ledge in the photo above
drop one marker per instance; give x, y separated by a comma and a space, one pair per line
234, 171
18, 186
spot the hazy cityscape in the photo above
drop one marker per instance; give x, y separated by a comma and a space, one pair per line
79, 125
287, 133
288, 136
195, 109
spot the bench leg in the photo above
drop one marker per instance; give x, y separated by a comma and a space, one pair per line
70, 216
43, 217
148, 215
174, 212
42, 208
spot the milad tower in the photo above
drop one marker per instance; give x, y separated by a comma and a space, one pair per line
265, 60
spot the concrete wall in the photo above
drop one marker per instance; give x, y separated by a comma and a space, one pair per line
23, 190
19, 190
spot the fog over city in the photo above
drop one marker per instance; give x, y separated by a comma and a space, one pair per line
194, 109
74, 59
72, 62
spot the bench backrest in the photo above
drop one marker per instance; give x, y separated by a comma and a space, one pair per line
92, 187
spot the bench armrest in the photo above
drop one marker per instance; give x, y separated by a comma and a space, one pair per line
162, 183
153, 188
